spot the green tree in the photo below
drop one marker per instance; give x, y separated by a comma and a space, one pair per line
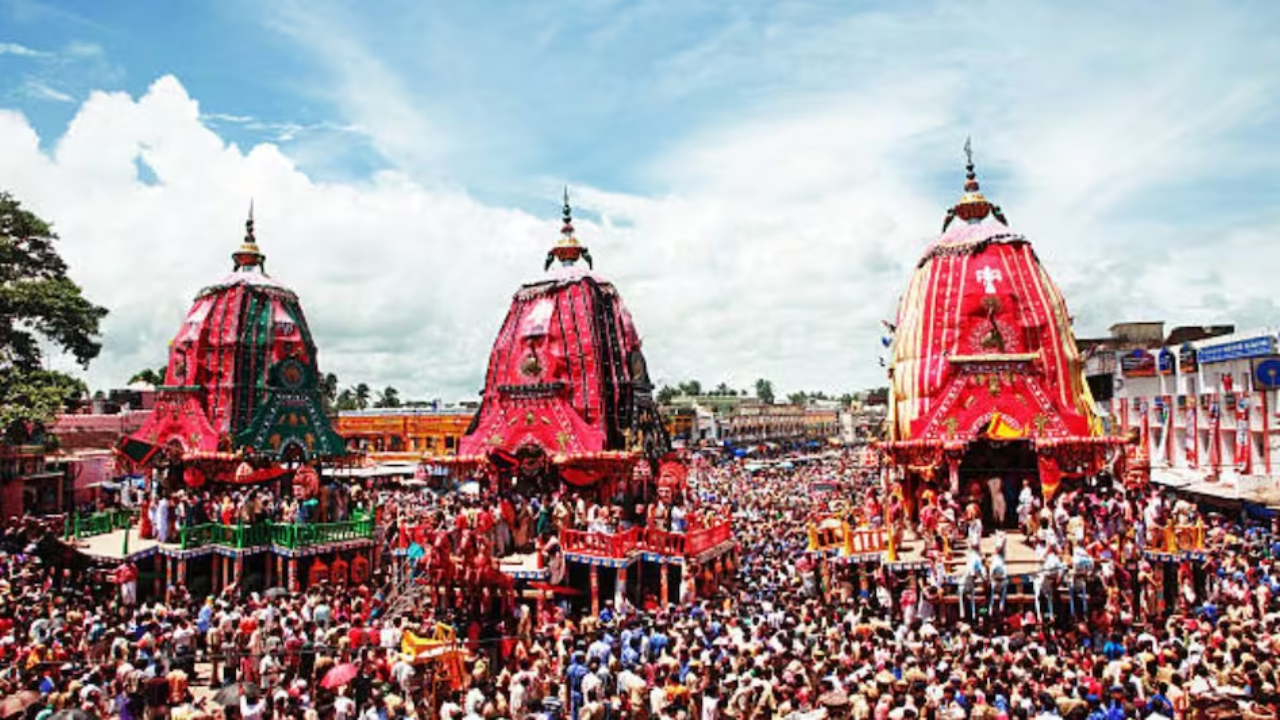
39, 305
764, 391
797, 398
388, 398
665, 394
149, 376
329, 391
723, 389
362, 393
692, 387
346, 400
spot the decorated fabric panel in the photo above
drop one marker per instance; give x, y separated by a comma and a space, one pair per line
547, 346
548, 422
987, 298
178, 419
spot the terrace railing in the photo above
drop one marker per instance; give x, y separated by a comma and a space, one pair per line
287, 535
687, 544
99, 523
610, 545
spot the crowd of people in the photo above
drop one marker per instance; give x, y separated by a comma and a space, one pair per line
788, 635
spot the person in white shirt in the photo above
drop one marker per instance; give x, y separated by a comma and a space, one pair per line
344, 708
252, 709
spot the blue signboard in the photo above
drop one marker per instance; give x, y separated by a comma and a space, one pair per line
1250, 348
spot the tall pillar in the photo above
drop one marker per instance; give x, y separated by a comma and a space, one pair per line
215, 573
280, 579
226, 572
182, 571
168, 571
595, 589
664, 572
266, 571
620, 589
293, 575
159, 578
239, 569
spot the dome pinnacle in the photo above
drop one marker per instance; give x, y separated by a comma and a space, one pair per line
973, 206
567, 249
248, 255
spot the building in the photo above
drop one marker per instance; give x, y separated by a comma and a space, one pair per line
404, 433
739, 420
1202, 402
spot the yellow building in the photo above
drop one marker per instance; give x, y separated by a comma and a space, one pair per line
404, 433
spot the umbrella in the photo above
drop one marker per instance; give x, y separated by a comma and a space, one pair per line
71, 714
230, 695
275, 592
339, 675
17, 703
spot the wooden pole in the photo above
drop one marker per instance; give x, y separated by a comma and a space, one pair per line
595, 590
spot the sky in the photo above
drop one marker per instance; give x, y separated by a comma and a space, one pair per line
757, 178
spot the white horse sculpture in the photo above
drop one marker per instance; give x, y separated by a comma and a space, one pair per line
999, 575
972, 571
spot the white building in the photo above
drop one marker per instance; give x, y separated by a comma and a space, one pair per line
1206, 410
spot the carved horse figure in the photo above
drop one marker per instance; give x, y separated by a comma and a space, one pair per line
971, 572
1081, 571
1046, 582
999, 574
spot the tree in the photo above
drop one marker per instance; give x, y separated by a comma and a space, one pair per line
723, 389
797, 398
388, 398
692, 387
665, 394
346, 400
149, 376
362, 394
39, 306
329, 391
764, 391
878, 396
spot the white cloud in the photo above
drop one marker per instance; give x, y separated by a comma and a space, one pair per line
8, 48
773, 237
40, 90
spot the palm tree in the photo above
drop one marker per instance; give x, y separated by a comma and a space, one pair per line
389, 398
362, 393
329, 388
346, 400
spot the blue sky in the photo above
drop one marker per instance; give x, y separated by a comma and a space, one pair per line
757, 177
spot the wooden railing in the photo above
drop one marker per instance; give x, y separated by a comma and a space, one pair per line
662, 542
99, 523
1177, 538
286, 535
610, 545
846, 539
